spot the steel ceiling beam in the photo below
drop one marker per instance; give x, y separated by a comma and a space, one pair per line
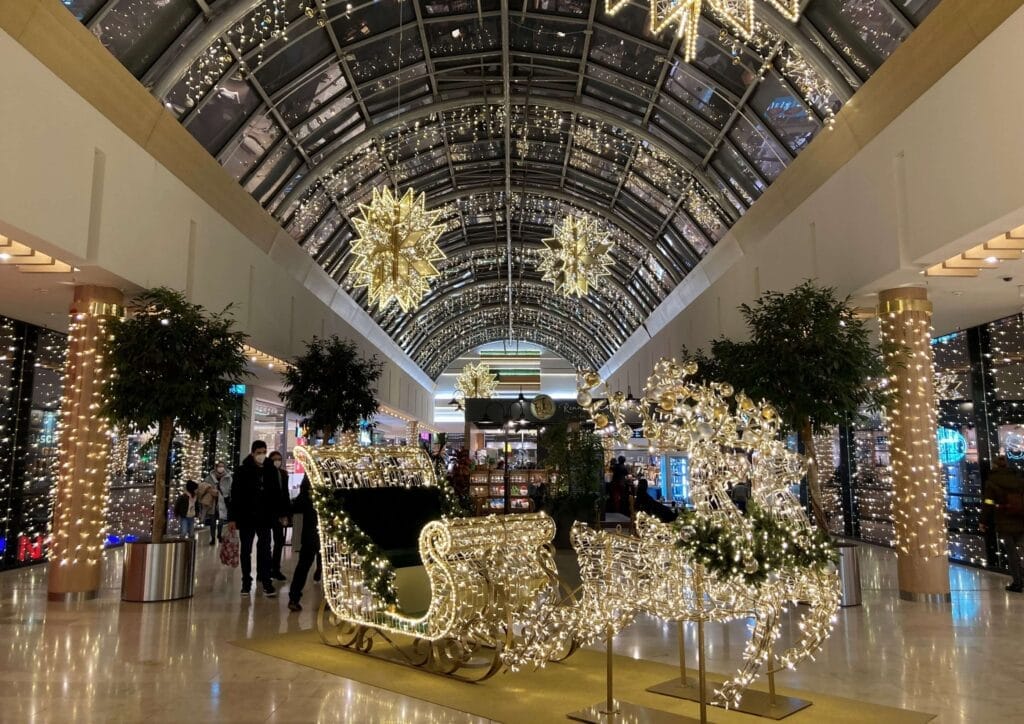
421, 335
456, 348
565, 106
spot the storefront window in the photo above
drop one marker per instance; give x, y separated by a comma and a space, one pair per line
268, 425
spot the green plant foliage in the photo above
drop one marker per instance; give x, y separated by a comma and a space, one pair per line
332, 385
755, 555
578, 457
378, 573
172, 360
808, 354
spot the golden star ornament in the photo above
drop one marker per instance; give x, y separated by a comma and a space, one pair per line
685, 16
397, 248
576, 257
475, 381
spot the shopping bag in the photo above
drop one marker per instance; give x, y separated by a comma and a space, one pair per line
229, 549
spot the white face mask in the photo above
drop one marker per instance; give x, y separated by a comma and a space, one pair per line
277, 463
259, 458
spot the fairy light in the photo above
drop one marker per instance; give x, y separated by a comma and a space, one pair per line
494, 589
919, 505
717, 565
78, 529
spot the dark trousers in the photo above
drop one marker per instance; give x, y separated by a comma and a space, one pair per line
216, 528
278, 530
307, 555
1013, 557
262, 536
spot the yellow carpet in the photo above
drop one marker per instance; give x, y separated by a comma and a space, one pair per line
549, 694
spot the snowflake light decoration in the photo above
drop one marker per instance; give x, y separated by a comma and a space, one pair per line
576, 256
685, 16
397, 248
475, 381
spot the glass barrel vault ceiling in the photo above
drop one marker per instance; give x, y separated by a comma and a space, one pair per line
310, 104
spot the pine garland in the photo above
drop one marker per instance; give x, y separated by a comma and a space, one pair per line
754, 554
378, 573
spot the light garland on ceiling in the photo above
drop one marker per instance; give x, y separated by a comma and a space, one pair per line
397, 248
576, 256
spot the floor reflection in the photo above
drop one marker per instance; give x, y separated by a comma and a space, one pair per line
107, 661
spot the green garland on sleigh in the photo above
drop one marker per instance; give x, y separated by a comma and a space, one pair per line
378, 573
756, 553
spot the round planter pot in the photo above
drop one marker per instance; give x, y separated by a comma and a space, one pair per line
158, 571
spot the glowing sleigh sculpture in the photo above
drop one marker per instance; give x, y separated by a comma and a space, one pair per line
728, 438
490, 597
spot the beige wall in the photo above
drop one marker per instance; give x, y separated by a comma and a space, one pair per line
942, 176
75, 185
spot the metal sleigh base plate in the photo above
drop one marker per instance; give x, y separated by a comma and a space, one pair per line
758, 703
627, 712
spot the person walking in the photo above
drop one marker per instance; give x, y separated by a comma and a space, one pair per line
1003, 499
185, 509
220, 480
279, 525
309, 549
254, 506
208, 495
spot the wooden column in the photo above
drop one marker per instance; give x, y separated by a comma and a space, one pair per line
919, 504
76, 546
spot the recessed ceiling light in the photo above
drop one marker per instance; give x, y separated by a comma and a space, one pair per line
990, 260
4, 256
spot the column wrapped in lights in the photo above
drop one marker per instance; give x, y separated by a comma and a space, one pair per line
192, 457
79, 515
919, 508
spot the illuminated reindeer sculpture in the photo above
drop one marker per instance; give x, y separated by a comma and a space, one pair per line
728, 438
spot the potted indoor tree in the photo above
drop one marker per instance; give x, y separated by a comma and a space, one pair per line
576, 457
332, 386
811, 357
173, 367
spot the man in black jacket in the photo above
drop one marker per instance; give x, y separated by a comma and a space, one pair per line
254, 509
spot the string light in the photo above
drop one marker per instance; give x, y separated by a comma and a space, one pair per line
919, 502
494, 591
78, 530
717, 564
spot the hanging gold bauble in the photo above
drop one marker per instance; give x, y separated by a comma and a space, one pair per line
475, 381
576, 256
397, 248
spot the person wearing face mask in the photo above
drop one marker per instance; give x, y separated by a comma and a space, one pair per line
281, 523
217, 488
253, 508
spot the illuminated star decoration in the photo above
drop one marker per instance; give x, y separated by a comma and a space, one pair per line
685, 15
397, 248
475, 381
576, 256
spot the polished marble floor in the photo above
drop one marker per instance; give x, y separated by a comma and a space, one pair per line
104, 661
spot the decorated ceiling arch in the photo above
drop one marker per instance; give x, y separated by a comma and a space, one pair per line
508, 116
